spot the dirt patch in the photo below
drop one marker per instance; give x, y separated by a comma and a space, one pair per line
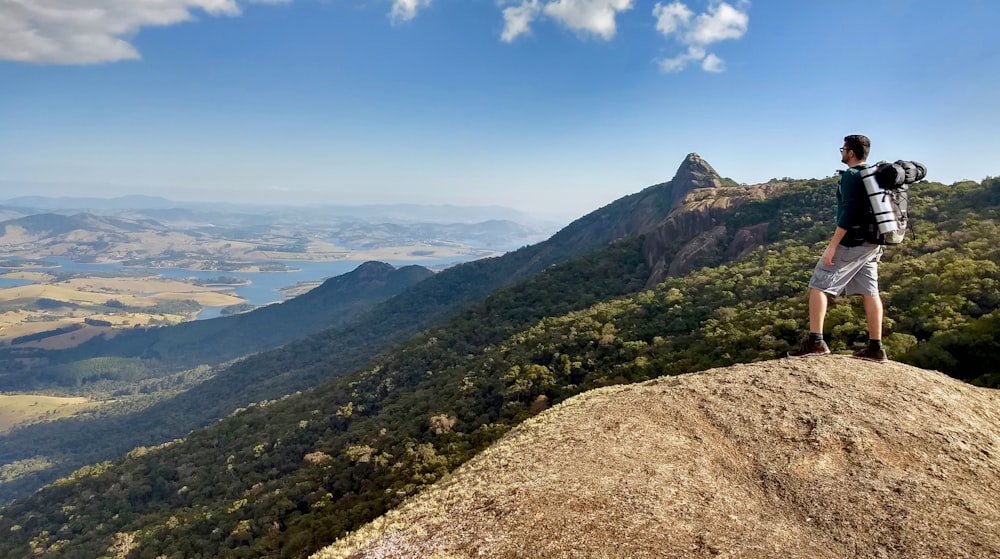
824, 458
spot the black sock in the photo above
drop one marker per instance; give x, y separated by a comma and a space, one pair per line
875, 344
815, 338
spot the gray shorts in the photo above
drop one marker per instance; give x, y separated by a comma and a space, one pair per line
854, 271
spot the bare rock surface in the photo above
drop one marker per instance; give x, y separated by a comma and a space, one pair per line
699, 211
827, 457
694, 173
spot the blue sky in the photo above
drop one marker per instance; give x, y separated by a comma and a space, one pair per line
541, 105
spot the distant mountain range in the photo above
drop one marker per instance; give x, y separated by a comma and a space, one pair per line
195, 239
74, 203
395, 213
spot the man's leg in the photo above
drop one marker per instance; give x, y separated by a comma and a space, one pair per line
817, 310
814, 344
873, 350
873, 315
865, 283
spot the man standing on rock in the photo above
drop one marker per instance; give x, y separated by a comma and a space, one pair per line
850, 263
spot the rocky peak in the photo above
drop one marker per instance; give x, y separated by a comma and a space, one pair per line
641, 213
693, 173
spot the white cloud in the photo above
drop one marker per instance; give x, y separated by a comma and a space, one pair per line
517, 19
94, 31
596, 17
591, 16
405, 10
91, 31
713, 63
671, 17
720, 22
679, 62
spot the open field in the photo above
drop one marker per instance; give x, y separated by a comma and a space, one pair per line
140, 291
106, 302
22, 409
31, 275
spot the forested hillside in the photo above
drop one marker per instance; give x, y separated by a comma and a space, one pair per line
39, 453
286, 478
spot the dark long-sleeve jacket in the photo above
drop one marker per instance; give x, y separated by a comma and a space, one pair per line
853, 208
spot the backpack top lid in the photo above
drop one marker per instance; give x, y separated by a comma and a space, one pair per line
893, 176
889, 176
915, 171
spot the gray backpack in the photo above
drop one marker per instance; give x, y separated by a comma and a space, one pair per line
894, 180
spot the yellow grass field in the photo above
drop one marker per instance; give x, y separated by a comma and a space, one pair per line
33, 276
23, 409
88, 294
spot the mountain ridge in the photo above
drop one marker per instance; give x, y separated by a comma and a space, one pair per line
636, 213
35, 226
820, 458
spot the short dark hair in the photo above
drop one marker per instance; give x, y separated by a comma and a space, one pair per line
859, 144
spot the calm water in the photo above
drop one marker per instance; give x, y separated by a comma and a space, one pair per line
262, 289
4, 283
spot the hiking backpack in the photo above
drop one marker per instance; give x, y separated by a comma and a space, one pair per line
888, 186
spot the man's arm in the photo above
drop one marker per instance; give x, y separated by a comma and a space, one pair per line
838, 234
853, 209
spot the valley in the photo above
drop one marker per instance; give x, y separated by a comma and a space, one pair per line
72, 272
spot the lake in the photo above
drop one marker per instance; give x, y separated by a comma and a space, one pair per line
5, 282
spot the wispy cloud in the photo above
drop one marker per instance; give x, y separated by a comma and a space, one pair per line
92, 31
720, 22
592, 17
405, 10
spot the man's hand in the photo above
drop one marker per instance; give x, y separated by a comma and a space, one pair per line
828, 254
831, 249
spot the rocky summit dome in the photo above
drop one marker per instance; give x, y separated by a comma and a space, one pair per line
821, 458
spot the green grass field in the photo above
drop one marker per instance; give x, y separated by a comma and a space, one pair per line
22, 409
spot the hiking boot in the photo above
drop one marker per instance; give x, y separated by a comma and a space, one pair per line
869, 354
810, 349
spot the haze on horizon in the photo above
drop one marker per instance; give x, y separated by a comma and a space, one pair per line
538, 105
